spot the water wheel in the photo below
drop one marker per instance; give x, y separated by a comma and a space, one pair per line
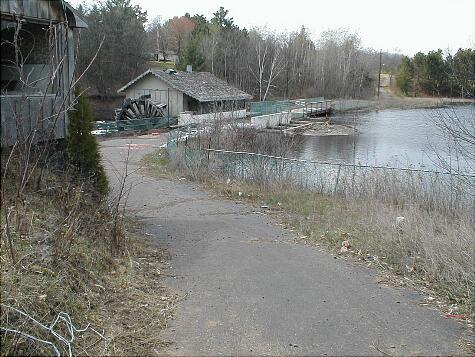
142, 107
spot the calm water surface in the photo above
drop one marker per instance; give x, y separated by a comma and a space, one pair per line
400, 138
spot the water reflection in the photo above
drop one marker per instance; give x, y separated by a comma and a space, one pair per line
401, 138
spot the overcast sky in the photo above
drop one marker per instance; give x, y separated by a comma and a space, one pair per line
405, 26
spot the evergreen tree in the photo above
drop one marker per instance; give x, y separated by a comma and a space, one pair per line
420, 73
222, 20
464, 72
192, 57
123, 53
437, 72
405, 75
82, 147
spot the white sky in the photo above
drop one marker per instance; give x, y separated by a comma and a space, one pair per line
404, 26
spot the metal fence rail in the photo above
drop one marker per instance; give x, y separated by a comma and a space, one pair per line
434, 189
134, 125
299, 107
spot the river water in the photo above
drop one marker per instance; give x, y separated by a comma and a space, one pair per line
392, 137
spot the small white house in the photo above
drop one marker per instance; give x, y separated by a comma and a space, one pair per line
193, 97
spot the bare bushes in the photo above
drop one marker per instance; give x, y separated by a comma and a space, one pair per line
55, 252
61, 240
259, 158
195, 154
64, 266
457, 131
50, 265
117, 204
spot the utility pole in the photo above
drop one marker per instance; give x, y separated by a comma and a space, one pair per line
379, 74
158, 44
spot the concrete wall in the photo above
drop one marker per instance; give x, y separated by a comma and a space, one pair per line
159, 93
268, 120
186, 118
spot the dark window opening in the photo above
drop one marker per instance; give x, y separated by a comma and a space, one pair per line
25, 66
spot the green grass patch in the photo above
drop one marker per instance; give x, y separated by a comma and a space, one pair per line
162, 65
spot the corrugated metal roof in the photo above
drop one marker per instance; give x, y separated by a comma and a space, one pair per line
203, 86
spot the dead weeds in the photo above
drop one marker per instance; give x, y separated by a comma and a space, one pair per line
63, 265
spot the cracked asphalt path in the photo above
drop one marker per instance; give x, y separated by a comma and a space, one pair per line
251, 291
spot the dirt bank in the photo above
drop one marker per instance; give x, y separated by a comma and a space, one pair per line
327, 129
389, 100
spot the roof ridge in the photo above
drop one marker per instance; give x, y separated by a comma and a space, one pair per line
203, 86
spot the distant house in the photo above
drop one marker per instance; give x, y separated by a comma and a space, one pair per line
170, 56
35, 86
190, 96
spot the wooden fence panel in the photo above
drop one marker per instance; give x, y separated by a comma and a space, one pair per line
22, 115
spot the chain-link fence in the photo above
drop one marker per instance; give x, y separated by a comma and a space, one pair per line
134, 125
299, 108
400, 186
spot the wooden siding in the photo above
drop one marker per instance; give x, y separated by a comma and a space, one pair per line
31, 115
20, 113
159, 91
34, 9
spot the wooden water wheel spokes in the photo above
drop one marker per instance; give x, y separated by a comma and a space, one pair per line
142, 107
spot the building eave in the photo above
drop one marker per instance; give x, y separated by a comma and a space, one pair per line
133, 81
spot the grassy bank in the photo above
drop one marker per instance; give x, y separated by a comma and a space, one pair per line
392, 100
57, 259
412, 244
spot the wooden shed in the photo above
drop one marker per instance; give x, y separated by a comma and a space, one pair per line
190, 96
38, 46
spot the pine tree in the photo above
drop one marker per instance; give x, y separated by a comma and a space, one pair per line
192, 57
405, 75
82, 147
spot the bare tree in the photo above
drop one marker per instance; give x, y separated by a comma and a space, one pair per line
275, 69
261, 50
268, 62
457, 128
180, 29
159, 37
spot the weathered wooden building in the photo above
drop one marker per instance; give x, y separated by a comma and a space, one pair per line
189, 96
38, 46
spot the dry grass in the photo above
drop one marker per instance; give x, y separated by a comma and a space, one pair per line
429, 247
138, 307
63, 262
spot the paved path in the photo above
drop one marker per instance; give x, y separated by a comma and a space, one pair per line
250, 290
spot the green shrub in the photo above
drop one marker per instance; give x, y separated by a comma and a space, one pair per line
405, 75
82, 147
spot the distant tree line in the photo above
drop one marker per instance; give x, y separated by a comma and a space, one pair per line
262, 62
437, 74
120, 28
269, 64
